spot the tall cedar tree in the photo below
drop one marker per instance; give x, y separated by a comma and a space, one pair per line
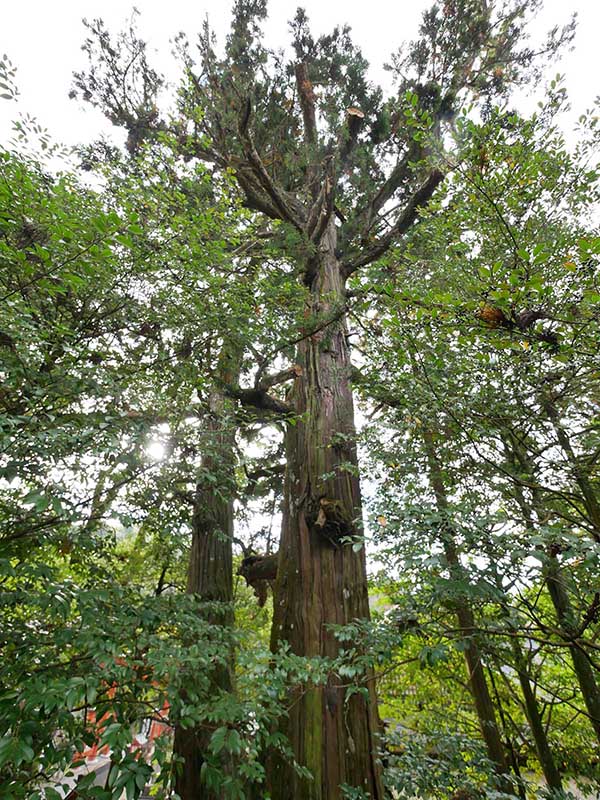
315, 147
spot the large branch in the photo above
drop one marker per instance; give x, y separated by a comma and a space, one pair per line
386, 191
192, 147
273, 476
259, 398
307, 103
322, 209
256, 198
259, 572
309, 118
259, 568
265, 382
404, 221
288, 207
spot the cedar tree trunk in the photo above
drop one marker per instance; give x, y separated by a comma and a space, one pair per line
210, 575
320, 580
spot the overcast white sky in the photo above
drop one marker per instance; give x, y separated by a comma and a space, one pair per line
43, 39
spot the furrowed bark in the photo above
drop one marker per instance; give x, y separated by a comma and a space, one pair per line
210, 575
322, 581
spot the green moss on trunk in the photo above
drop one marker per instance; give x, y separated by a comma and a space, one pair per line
322, 581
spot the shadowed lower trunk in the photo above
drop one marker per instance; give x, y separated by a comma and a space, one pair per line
320, 580
210, 575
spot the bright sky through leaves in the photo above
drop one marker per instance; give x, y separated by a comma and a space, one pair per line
43, 40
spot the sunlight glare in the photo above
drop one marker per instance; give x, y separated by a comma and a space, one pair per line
156, 450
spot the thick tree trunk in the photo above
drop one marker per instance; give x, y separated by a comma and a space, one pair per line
210, 575
320, 580
482, 700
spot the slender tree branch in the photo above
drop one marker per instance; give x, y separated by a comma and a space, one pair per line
405, 220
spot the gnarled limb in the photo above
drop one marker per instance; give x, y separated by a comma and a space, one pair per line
259, 398
259, 572
368, 214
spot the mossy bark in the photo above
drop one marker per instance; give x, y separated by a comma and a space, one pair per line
321, 580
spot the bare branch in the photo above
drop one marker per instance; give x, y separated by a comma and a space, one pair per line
419, 199
278, 377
